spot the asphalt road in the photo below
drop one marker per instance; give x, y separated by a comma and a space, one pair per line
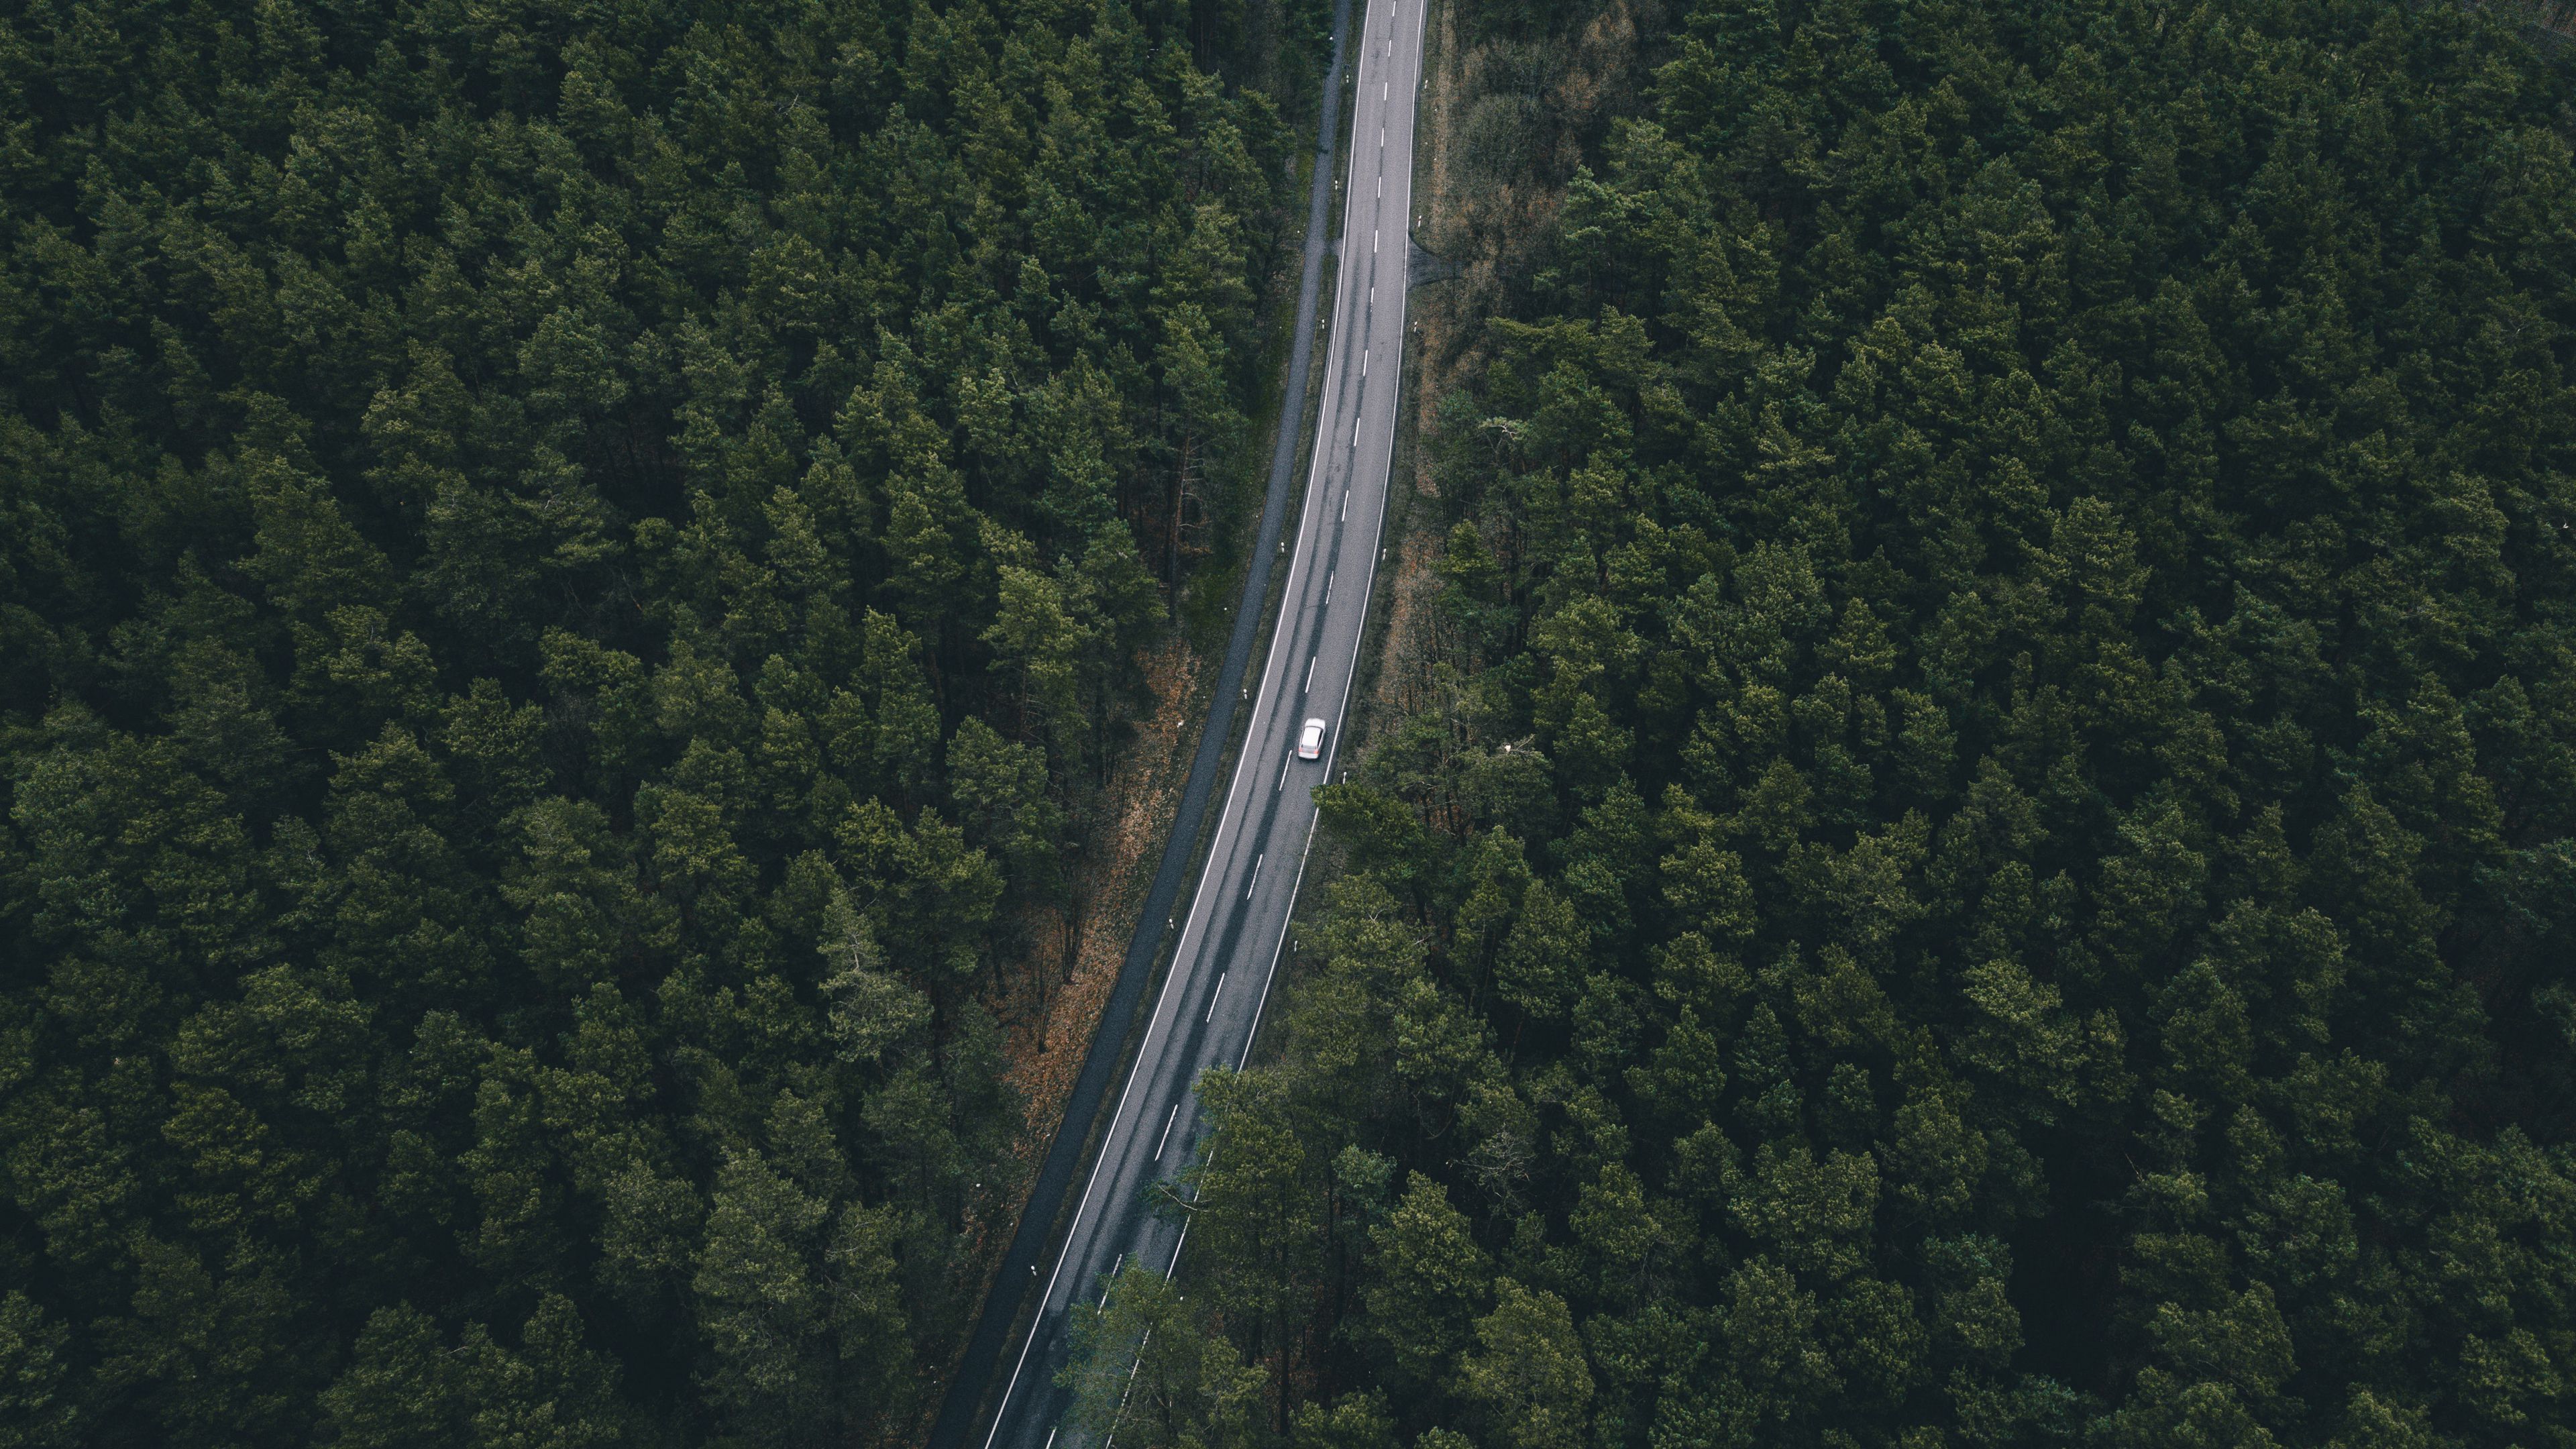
1229, 946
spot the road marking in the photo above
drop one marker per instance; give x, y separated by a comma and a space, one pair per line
1328, 585
1093, 1189
1363, 364
1355, 437
1372, 238
1122, 1258
1310, 674
1051, 1433
1135, 1368
1256, 874
1283, 778
1346, 496
1204, 1020
1167, 1127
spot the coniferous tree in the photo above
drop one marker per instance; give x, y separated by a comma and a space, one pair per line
567, 580
1980, 851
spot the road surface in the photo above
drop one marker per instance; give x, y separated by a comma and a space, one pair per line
1221, 972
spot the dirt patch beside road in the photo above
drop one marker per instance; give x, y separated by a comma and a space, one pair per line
1050, 1029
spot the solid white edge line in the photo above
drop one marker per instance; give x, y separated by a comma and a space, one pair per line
1198, 895
1261, 1006
1130, 1391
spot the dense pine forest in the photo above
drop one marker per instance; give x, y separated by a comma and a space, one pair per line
565, 574
1984, 857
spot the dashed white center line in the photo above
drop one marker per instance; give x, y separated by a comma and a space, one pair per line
1283, 778
1376, 246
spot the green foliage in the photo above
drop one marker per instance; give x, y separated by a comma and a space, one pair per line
1147, 1368
567, 577
1988, 861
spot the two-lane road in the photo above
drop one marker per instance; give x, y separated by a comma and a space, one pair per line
1229, 946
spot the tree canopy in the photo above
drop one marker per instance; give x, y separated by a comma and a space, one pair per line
1987, 859
564, 573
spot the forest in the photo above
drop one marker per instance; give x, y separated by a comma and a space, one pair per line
1982, 853
568, 575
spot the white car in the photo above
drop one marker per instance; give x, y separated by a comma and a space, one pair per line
1310, 740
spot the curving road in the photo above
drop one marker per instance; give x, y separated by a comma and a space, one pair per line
1230, 942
